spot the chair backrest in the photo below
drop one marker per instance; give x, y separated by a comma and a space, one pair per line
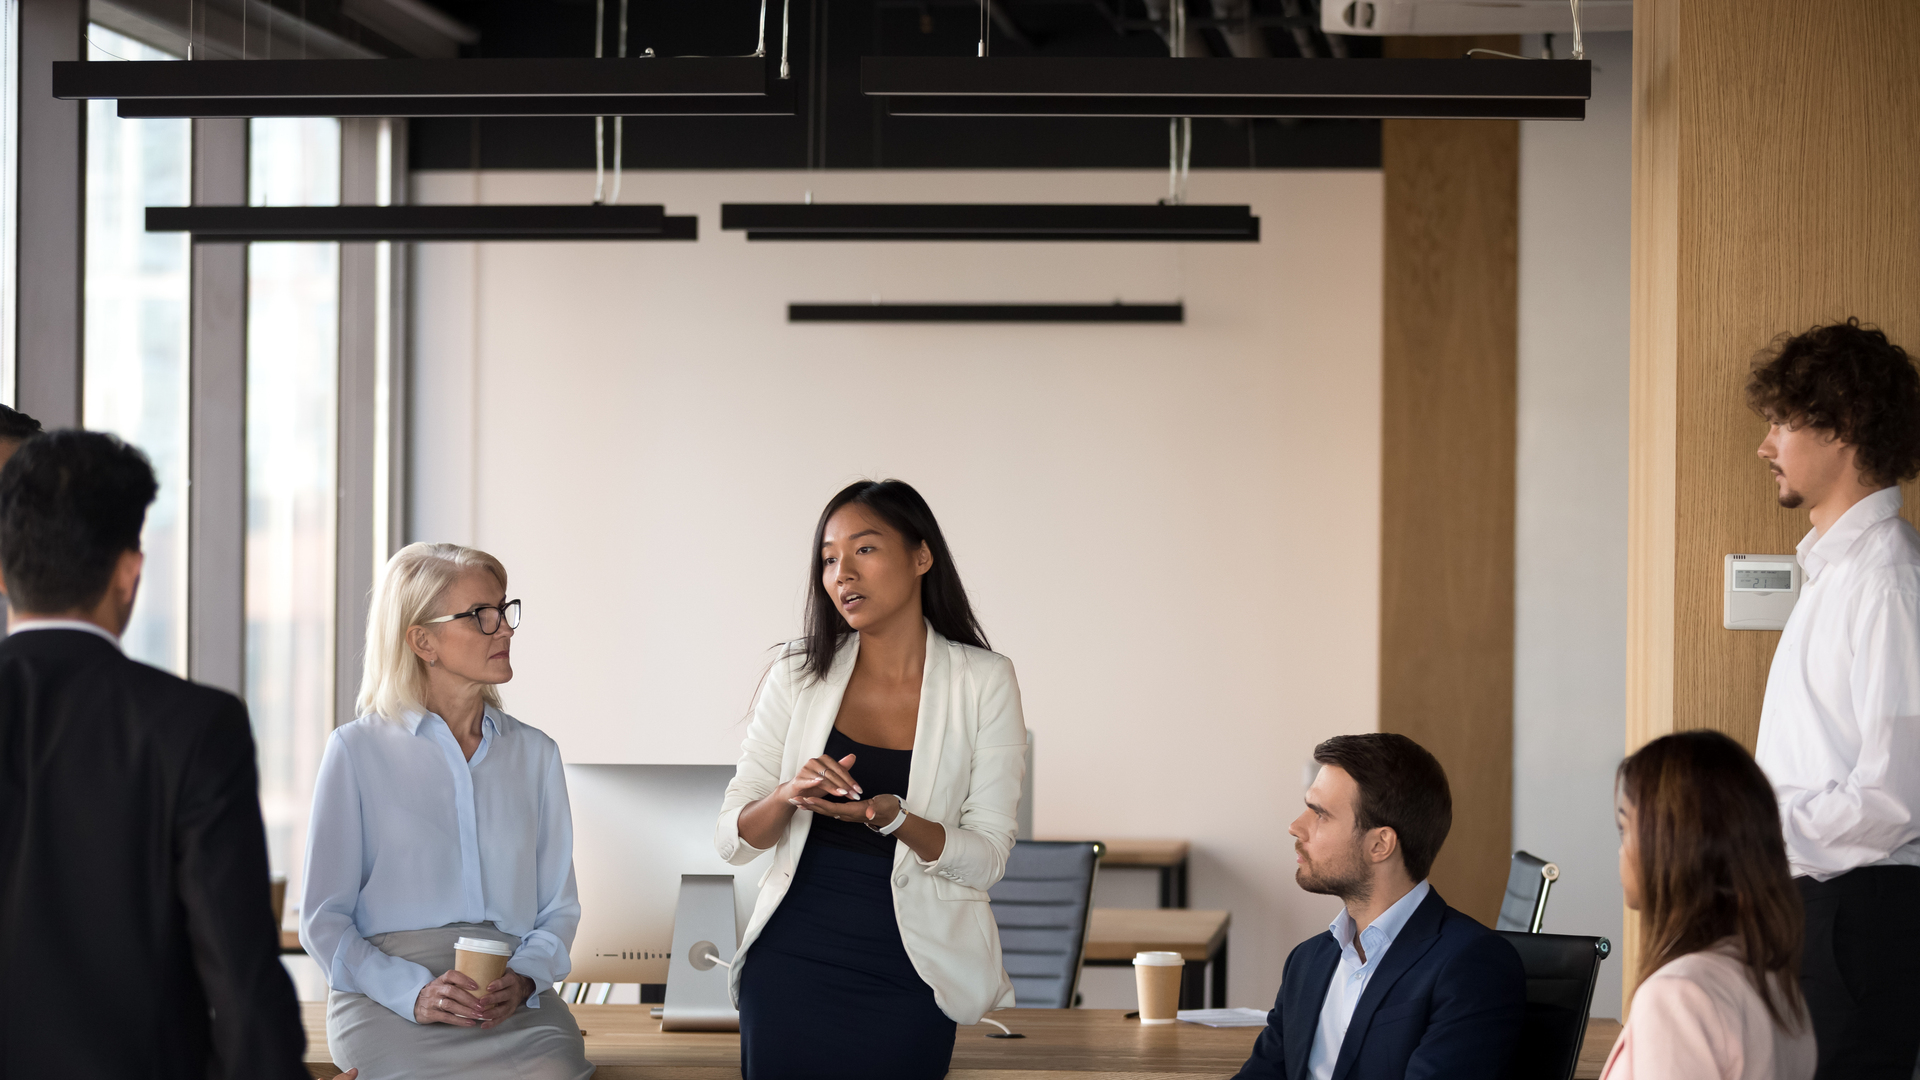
1561, 970
1529, 878
1042, 906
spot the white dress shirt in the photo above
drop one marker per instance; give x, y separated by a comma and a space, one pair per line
1840, 729
408, 834
1351, 976
21, 626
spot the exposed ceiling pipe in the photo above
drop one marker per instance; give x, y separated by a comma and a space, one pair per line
1302, 36
1160, 11
1009, 29
1243, 38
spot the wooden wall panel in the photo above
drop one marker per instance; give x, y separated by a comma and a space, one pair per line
1447, 524
1773, 188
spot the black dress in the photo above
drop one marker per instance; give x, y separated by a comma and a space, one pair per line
827, 990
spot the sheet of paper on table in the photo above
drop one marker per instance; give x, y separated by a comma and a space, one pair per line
1224, 1018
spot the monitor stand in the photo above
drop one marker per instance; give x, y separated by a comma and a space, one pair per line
703, 932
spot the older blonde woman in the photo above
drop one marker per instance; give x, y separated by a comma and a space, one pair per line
437, 816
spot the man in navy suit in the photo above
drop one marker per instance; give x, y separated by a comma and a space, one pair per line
1400, 985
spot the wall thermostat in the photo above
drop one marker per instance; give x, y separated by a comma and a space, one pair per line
1761, 591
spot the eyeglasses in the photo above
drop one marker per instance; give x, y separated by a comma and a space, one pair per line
487, 617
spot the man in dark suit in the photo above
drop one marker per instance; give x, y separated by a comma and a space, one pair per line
1401, 985
134, 908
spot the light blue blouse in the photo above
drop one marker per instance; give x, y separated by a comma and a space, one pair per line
407, 834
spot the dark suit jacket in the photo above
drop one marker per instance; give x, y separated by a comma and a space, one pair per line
136, 929
1447, 1001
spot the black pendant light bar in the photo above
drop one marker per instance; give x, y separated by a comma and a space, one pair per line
422, 223
1178, 86
989, 221
777, 101
988, 313
484, 78
1242, 107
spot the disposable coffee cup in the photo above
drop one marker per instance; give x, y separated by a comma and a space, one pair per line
481, 960
1157, 976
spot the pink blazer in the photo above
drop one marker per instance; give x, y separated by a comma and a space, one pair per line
1698, 1017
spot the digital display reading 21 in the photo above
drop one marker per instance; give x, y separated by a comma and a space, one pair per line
1763, 580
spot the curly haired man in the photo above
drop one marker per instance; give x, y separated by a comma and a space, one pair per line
1840, 729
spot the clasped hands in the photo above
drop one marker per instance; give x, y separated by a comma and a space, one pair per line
454, 998
824, 776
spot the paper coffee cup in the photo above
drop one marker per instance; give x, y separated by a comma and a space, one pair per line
1157, 977
481, 960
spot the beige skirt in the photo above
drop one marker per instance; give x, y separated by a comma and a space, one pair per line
532, 1044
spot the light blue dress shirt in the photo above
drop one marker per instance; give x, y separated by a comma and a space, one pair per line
1351, 976
407, 834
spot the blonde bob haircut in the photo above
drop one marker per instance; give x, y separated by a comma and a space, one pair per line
394, 681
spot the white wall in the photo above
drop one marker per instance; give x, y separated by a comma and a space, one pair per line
1172, 530
1570, 618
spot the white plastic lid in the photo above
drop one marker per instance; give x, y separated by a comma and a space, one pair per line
496, 948
1159, 959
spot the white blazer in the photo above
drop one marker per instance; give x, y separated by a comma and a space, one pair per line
969, 757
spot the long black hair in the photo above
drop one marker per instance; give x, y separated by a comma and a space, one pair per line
942, 598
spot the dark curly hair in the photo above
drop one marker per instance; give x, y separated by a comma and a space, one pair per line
1848, 379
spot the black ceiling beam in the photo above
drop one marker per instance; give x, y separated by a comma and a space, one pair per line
779, 101
1158, 76
421, 223
990, 221
515, 77
989, 313
1243, 107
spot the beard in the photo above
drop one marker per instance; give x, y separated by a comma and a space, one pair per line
1346, 878
1789, 498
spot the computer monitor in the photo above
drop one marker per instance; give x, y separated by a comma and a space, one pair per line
636, 829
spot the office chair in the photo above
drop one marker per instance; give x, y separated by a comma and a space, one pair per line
1529, 879
1561, 970
1042, 905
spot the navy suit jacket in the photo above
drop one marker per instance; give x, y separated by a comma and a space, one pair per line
1446, 1002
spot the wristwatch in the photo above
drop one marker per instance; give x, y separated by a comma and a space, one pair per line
889, 827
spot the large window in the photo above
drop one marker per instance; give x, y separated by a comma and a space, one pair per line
136, 334
293, 298
9, 186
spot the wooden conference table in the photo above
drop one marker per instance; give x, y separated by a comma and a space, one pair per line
626, 1043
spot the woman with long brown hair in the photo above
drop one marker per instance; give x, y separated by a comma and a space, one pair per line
1703, 861
882, 768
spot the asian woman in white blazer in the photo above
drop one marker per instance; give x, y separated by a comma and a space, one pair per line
883, 767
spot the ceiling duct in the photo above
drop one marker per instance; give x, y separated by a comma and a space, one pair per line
1375, 18
421, 29
225, 31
